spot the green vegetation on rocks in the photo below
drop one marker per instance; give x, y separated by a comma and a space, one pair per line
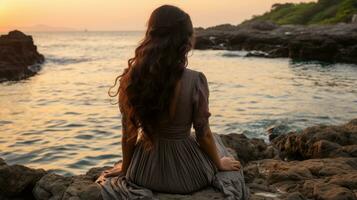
320, 12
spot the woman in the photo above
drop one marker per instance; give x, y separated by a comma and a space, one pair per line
160, 99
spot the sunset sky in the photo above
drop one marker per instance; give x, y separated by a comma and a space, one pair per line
123, 14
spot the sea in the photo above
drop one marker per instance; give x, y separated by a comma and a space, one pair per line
63, 120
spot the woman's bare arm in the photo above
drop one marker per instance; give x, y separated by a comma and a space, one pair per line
208, 145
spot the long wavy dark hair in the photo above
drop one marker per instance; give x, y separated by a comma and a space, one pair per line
147, 85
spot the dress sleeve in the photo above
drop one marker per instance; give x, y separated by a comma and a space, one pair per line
200, 106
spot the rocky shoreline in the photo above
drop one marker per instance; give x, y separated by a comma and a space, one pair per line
19, 57
318, 163
327, 43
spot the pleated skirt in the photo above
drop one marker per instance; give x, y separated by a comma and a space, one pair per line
176, 166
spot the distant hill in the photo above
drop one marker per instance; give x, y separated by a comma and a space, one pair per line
38, 28
320, 12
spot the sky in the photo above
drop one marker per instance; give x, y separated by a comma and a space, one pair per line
124, 14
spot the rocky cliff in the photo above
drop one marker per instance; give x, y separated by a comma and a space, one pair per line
19, 57
328, 43
318, 163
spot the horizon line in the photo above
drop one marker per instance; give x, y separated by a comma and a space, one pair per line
70, 29
56, 31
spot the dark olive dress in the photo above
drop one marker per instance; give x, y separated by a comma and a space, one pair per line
176, 164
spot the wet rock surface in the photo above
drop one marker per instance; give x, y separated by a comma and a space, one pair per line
327, 43
19, 57
311, 179
18, 180
318, 163
319, 142
247, 149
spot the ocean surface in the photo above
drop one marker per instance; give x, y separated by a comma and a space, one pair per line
62, 119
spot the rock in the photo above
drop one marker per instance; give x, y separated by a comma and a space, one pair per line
313, 47
328, 43
295, 196
53, 186
319, 142
82, 187
260, 25
205, 194
305, 179
19, 57
248, 149
212, 42
203, 43
349, 54
332, 192
2, 162
94, 173
18, 180
346, 180
354, 18
277, 129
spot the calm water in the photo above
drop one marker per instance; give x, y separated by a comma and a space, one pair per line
62, 118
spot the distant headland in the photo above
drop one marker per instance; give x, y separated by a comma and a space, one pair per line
323, 31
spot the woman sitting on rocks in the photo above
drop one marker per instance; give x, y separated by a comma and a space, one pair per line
160, 99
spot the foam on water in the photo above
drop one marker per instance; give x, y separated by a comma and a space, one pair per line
62, 119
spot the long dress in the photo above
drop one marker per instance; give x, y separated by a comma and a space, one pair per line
177, 164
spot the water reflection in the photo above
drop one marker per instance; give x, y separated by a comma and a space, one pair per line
62, 118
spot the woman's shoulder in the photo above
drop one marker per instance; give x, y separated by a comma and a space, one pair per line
196, 79
196, 75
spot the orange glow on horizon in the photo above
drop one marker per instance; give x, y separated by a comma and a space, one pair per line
123, 14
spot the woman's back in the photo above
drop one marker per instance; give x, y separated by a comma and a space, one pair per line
177, 122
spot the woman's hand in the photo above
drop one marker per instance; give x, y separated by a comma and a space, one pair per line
115, 171
229, 164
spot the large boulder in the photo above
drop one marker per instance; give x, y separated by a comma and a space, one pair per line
53, 186
325, 179
319, 142
248, 149
17, 180
19, 57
